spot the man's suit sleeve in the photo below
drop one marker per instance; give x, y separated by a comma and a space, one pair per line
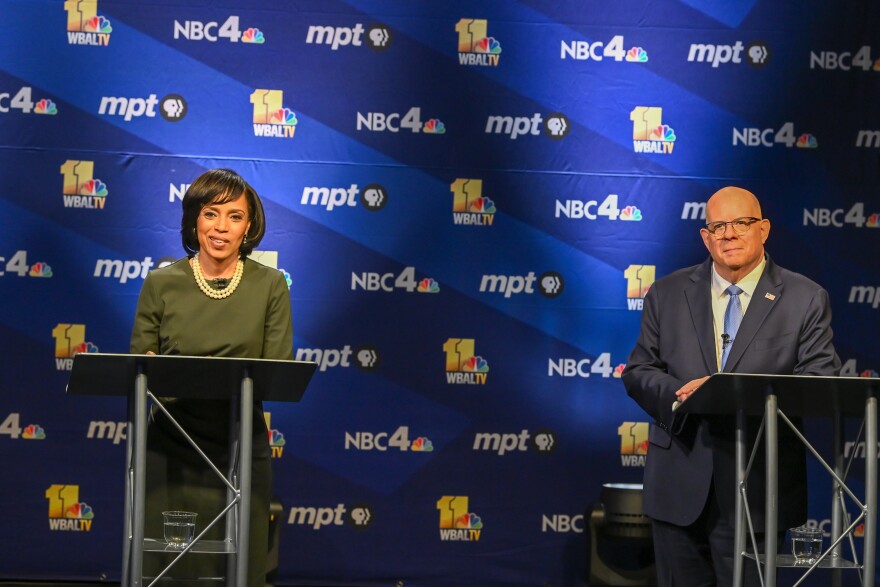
816, 355
646, 376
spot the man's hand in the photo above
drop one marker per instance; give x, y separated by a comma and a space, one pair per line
688, 388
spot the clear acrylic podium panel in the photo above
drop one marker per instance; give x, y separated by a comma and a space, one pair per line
740, 395
244, 380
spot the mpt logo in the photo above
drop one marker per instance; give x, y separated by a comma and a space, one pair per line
543, 442
555, 126
359, 517
551, 284
367, 358
378, 36
174, 108
373, 197
757, 54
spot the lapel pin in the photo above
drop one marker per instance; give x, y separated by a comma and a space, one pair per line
769, 296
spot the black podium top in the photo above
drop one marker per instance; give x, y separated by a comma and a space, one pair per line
188, 377
799, 395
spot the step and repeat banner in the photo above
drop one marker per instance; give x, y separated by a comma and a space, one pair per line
469, 202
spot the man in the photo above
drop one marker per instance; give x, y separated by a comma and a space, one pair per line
778, 322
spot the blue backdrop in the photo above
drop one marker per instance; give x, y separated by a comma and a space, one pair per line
470, 201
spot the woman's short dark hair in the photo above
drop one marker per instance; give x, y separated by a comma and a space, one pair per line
218, 186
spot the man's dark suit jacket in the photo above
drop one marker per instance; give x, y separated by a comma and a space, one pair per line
786, 330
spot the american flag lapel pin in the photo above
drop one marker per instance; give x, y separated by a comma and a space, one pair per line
769, 296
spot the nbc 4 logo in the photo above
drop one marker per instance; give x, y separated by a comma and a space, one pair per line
66, 512
23, 101
468, 204
650, 135
639, 279
633, 443
81, 189
271, 118
456, 522
276, 438
84, 26
11, 427
463, 366
70, 339
475, 46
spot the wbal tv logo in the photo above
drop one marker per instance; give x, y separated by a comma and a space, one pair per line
271, 118
84, 26
633, 443
463, 366
650, 135
468, 204
66, 512
70, 339
639, 279
81, 189
276, 438
475, 46
456, 522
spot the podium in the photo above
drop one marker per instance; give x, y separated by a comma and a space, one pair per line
241, 380
774, 396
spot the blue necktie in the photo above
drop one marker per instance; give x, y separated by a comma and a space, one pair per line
733, 316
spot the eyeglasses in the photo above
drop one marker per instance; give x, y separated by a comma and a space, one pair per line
740, 226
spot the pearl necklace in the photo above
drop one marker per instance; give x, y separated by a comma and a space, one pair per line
210, 291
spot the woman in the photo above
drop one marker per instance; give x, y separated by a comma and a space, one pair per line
215, 302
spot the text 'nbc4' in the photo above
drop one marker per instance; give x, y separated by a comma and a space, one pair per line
11, 427
23, 102
18, 264
569, 367
382, 441
394, 122
770, 137
389, 282
593, 210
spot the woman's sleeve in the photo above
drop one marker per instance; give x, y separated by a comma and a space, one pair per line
147, 318
278, 330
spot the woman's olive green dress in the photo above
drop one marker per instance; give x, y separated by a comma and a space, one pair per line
174, 317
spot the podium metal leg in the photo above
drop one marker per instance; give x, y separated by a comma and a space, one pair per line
739, 533
246, 456
870, 492
837, 440
772, 489
136, 485
128, 496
